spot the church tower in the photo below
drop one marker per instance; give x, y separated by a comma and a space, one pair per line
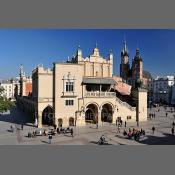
137, 68
124, 66
21, 75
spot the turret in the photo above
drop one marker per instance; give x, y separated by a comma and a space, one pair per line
111, 57
96, 51
79, 55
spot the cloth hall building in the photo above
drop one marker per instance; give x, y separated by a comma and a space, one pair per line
81, 91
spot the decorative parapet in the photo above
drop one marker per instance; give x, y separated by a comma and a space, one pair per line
100, 94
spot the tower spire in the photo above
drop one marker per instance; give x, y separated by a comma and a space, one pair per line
125, 44
21, 70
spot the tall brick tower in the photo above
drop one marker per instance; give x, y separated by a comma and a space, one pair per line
124, 66
137, 69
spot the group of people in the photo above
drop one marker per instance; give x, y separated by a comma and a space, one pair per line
120, 123
152, 115
12, 128
64, 131
172, 129
134, 133
59, 131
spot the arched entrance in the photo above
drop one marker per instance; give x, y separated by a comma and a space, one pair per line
60, 122
107, 113
48, 116
91, 114
71, 121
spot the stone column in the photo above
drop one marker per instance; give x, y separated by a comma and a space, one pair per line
39, 119
99, 117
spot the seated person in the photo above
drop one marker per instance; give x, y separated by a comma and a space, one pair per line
124, 133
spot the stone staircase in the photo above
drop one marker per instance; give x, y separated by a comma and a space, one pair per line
125, 104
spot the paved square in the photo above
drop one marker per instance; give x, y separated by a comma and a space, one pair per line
89, 135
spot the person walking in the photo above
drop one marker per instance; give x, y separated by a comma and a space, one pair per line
97, 125
172, 130
22, 127
125, 124
11, 128
173, 124
153, 129
50, 138
58, 130
121, 122
166, 114
72, 132
116, 122
118, 129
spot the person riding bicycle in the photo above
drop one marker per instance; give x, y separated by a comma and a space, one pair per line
102, 139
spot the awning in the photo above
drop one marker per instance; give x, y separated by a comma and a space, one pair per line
98, 81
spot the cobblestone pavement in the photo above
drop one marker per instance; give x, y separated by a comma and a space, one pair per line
89, 135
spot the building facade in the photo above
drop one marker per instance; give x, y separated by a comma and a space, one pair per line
78, 92
161, 88
11, 88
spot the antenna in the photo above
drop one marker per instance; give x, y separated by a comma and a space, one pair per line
137, 44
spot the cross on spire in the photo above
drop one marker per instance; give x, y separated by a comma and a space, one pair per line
96, 45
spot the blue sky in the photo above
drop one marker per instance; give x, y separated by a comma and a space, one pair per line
31, 47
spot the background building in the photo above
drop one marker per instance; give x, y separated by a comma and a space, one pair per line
161, 90
25, 83
11, 88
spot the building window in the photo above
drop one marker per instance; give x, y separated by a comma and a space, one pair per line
128, 117
69, 86
68, 83
69, 102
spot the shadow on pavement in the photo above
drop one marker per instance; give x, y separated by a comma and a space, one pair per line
98, 144
44, 141
167, 139
16, 117
9, 130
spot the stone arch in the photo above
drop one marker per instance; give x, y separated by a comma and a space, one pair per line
60, 122
48, 116
107, 110
91, 113
91, 103
107, 102
71, 121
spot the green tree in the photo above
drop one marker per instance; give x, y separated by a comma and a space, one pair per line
5, 104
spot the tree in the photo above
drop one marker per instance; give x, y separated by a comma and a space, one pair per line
1, 91
5, 104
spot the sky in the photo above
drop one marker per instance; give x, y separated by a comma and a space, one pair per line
31, 47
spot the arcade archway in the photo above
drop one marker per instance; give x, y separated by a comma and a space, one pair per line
60, 122
107, 113
91, 114
48, 116
71, 121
